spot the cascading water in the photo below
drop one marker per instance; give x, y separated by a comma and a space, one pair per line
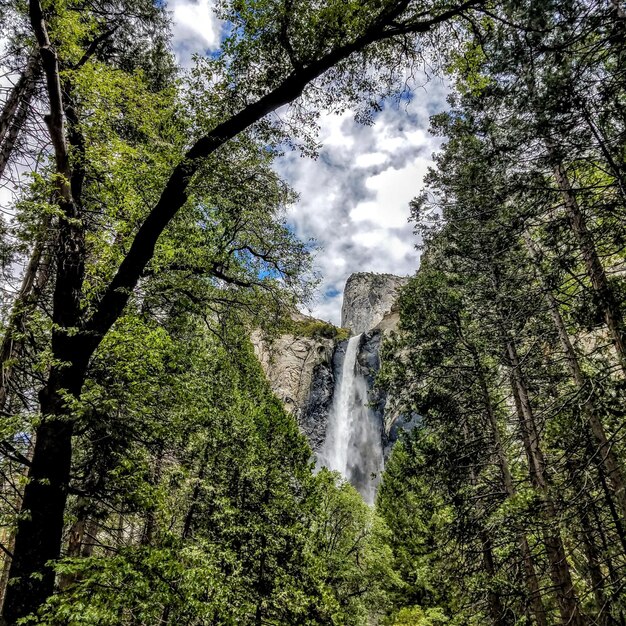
353, 434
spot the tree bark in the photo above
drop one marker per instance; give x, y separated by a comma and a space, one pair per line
610, 502
608, 457
496, 608
22, 92
559, 566
606, 552
80, 541
590, 550
17, 123
40, 525
10, 540
595, 270
530, 575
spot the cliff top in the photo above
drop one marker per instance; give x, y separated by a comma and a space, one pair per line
368, 297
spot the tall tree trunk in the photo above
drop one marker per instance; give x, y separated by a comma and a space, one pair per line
16, 109
530, 575
81, 539
10, 541
610, 502
40, 525
559, 566
607, 553
612, 466
593, 568
595, 270
496, 608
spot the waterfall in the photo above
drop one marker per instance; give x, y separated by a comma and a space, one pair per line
353, 434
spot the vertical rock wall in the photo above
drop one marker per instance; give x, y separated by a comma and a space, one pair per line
300, 372
367, 299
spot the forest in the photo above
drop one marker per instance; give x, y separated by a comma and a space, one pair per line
148, 473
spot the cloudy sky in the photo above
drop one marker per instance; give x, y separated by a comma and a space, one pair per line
354, 197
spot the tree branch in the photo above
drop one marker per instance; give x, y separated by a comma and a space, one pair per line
93, 46
55, 119
174, 194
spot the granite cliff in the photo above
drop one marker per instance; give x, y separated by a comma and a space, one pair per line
367, 299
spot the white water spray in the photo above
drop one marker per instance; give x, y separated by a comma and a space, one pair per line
353, 440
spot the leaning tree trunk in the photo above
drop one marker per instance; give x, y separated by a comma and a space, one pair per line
615, 576
34, 281
40, 525
590, 550
20, 93
15, 110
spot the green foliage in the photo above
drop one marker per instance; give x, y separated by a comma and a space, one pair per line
416, 616
313, 328
509, 339
192, 496
211, 502
349, 545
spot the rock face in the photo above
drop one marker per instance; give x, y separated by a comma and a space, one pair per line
313, 417
300, 372
367, 300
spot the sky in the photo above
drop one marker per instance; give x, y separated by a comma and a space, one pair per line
354, 197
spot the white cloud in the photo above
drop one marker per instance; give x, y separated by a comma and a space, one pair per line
195, 29
394, 189
381, 241
333, 130
371, 158
354, 198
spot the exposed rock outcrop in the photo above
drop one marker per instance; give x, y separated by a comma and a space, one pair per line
300, 372
367, 299
313, 417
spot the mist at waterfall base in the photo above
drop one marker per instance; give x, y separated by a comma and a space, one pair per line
353, 443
